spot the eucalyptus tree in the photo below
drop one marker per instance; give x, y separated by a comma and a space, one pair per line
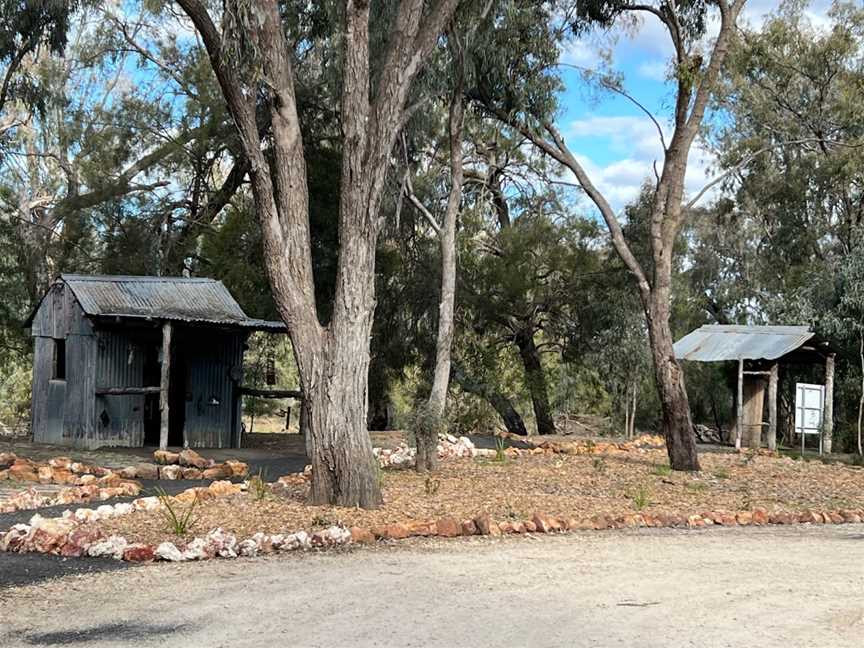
25, 29
529, 111
251, 58
444, 228
84, 177
834, 303
792, 112
791, 143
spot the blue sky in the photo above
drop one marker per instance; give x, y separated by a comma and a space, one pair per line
612, 138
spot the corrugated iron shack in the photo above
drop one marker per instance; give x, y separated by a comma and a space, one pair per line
133, 361
760, 352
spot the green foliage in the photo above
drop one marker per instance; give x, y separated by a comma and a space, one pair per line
640, 497
425, 422
599, 464
258, 486
662, 470
500, 447
178, 519
15, 379
24, 27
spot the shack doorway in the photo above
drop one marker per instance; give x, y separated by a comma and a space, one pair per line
177, 396
151, 401
177, 389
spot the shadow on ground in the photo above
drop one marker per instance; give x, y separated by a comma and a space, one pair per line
25, 569
113, 632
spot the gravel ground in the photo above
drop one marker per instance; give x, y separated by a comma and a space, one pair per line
789, 586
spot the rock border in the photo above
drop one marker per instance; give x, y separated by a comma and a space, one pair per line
68, 535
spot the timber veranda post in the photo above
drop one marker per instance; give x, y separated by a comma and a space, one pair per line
773, 379
740, 409
164, 384
828, 407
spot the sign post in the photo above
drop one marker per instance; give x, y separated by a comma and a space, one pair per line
809, 411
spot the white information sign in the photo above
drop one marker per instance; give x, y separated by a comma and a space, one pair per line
809, 406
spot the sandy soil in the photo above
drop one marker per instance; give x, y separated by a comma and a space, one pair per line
790, 586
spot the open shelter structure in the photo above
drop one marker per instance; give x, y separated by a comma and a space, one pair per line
132, 361
759, 352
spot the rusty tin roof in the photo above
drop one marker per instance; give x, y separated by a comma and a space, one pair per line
170, 298
715, 342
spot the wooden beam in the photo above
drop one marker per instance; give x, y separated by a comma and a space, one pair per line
828, 410
164, 385
126, 391
772, 407
740, 425
271, 393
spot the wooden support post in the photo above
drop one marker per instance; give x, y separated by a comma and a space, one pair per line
164, 384
828, 410
740, 413
772, 407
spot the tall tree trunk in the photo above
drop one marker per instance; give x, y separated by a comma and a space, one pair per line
861, 400
695, 84
333, 360
674, 404
536, 379
500, 403
427, 455
337, 435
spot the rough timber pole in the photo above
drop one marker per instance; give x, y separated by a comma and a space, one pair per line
828, 411
740, 431
772, 407
164, 384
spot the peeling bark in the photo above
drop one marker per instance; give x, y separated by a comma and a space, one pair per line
333, 360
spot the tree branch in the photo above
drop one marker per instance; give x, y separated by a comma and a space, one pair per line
747, 160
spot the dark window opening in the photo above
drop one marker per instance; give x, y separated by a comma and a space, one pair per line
59, 372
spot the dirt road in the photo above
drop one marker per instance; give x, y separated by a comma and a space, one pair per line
781, 586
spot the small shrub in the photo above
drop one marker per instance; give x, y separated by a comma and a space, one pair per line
177, 520
322, 521
721, 473
423, 422
432, 486
697, 486
662, 470
258, 486
599, 464
500, 454
641, 497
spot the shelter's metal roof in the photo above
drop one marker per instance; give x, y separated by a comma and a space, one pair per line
169, 298
715, 343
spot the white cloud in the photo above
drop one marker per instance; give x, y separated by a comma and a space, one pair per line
655, 70
581, 53
637, 144
629, 145
626, 134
